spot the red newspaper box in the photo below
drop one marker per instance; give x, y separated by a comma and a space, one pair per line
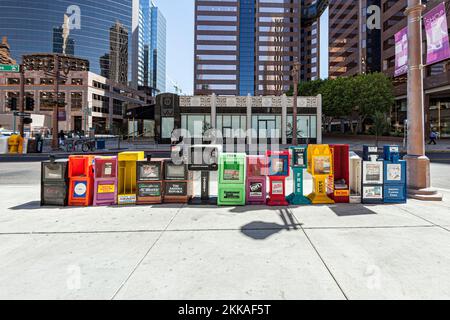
278, 170
339, 182
256, 193
81, 180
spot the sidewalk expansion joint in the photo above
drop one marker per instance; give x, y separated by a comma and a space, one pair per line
424, 219
146, 254
319, 255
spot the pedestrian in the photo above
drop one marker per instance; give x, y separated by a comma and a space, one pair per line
62, 138
433, 137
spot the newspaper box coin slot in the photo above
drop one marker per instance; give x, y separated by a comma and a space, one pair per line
355, 178
299, 158
256, 184
126, 193
178, 185
150, 177
339, 181
372, 176
278, 166
395, 184
231, 187
81, 180
105, 181
204, 158
54, 183
320, 166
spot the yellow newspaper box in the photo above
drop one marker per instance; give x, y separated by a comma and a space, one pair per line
127, 176
320, 166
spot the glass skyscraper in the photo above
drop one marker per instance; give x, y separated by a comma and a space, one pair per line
249, 46
158, 50
36, 26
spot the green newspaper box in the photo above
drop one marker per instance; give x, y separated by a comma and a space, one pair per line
231, 179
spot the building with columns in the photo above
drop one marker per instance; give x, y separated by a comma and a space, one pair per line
252, 118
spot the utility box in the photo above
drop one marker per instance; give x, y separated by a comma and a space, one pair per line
178, 183
299, 156
4, 145
126, 193
355, 178
231, 189
81, 180
150, 175
256, 182
278, 165
320, 166
372, 176
105, 181
395, 184
54, 183
339, 181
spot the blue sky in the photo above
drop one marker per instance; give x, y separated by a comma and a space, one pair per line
180, 43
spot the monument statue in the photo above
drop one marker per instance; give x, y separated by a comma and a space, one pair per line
5, 53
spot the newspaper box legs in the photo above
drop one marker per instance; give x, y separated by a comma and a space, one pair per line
298, 164
256, 192
278, 162
320, 166
127, 177
231, 187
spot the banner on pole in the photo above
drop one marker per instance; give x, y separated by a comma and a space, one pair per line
401, 52
438, 48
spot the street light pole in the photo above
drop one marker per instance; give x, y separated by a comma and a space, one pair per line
419, 181
295, 73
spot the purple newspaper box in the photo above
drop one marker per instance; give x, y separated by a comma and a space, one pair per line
256, 192
105, 181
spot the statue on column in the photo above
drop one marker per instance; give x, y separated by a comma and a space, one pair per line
5, 53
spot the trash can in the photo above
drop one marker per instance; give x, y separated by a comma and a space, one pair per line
3, 145
101, 144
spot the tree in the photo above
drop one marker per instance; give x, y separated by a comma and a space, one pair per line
373, 92
308, 88
381, 124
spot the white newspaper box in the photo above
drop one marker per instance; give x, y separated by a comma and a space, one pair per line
355, 178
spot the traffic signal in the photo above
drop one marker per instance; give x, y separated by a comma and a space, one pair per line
11, 103
29, 103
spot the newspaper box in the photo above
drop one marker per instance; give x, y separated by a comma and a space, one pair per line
127, 177
355, 178
105, 181
54, 183
278, 165
339, 182
178, 185
231, 188
320, 166
395, 185
299, 158
150, 176
81, 180
256, 184
372, 176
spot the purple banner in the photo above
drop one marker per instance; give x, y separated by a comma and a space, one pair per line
401, 52
438, 47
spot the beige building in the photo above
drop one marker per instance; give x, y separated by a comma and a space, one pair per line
90, 101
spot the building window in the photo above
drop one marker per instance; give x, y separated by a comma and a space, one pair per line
117, 107
306, 127
29, 81
196, 124
100, 103
47, 81
47, 100
77, 82
12, 101
76, 100
13, 81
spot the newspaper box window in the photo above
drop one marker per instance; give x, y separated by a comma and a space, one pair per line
231, 186
54, 183
204, 158
299, 158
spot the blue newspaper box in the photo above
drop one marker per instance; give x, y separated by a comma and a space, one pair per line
372, 176
395, 187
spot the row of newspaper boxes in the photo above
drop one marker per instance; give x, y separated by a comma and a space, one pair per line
339, 176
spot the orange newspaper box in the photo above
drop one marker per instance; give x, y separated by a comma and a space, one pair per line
81, 180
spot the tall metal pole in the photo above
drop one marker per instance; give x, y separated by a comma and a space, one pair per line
419, 182
21, 98
295, 73
55, 142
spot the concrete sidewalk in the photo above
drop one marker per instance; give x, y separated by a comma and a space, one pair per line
184, 252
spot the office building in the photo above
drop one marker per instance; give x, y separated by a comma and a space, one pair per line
354, 44
248, 47
118, 54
